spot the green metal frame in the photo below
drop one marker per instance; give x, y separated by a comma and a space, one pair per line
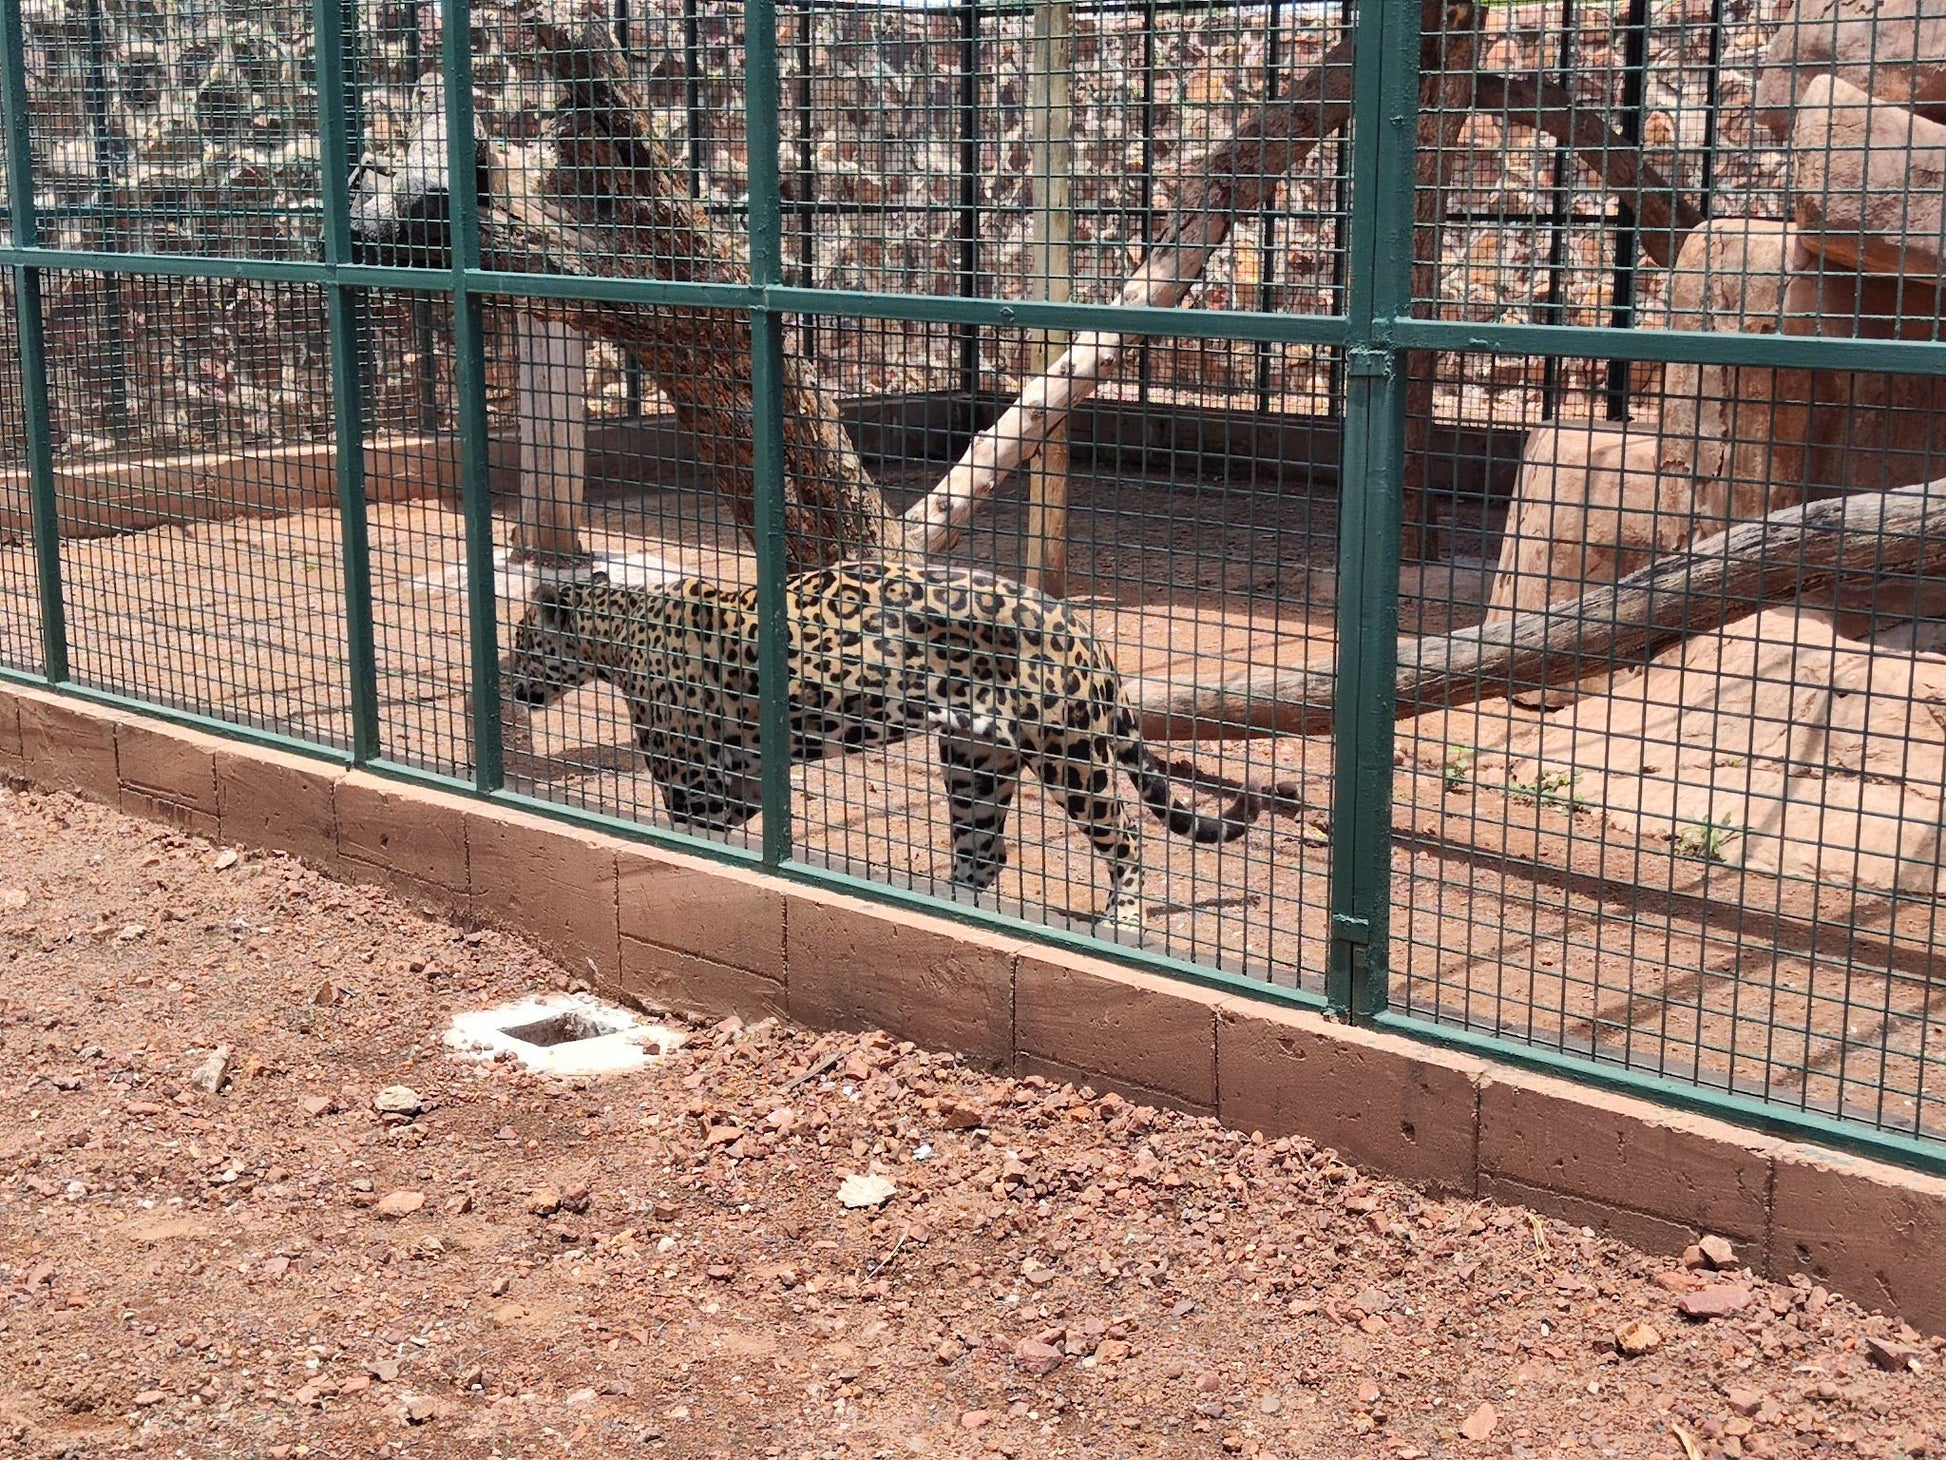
33, 349
1372, 339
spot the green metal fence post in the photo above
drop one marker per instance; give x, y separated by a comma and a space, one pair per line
343, 306
767, 418
33, 352
469, 393
1386, 88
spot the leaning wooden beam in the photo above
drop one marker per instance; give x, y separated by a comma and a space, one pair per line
1234, 179
1773, 560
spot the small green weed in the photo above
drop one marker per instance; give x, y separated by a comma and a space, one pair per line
1555, 789
1458, 768
1706, 841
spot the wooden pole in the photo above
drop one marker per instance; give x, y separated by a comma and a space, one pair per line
552, 382
1052, 161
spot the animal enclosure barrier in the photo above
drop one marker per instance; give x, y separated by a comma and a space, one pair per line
1512, 529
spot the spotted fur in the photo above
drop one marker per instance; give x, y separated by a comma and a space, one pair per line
877, 652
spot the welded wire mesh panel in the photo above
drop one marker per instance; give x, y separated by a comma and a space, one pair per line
201, 569
6, 194
175, 129
1185, 541
1564, 151
1721, 860
1035, 154
415, 521
1187, 547
20, 619
663, 496
1716, 860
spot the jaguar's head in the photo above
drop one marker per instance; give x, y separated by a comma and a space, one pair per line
553, 651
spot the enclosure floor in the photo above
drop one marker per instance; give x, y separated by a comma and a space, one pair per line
1508, 916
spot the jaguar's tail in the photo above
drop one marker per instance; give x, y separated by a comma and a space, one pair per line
1158, 792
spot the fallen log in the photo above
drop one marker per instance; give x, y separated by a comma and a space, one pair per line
1753, 565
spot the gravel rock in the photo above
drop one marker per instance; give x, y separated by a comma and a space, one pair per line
1718, 1300
1480, 1423
1892, 1356
1636, 1338
398, 1100
214, 1072
1037, 1358
1719, 1254
227, 1262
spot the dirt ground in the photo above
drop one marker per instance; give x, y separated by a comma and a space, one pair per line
658, 1263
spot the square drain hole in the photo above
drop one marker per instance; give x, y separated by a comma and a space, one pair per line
554, 1034
563, 1028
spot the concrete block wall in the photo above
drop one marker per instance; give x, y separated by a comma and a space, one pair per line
688, 933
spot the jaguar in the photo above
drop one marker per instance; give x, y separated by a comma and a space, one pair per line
877, 652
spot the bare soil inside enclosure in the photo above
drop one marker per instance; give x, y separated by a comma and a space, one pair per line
1670, 885
280, 1253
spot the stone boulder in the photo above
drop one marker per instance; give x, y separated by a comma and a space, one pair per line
1781, 746
1591, 505
1743, 427
1892, 49
1868, 182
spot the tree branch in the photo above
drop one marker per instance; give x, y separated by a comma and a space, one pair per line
1662, 217
1775, 559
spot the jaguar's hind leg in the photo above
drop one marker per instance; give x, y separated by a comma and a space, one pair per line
981, 777
708, 789
1080, 773
705, 803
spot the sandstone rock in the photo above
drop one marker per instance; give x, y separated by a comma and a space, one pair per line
1866, 182
1867, 431
1037, 1358
398, 1100
1591, 505
401, 1203
1738, 429
1893, 49
1718, 1253
1892, 1356
1719, 1300
1635, 1338
1479, 1424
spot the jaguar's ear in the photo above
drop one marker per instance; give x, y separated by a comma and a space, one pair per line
545, 609
599, 578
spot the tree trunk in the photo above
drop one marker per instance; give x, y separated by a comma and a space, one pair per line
1776, 559
551, 371
612, 203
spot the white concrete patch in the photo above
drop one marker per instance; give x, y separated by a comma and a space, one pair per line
563, 1034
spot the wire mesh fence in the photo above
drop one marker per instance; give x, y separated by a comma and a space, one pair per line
773, 427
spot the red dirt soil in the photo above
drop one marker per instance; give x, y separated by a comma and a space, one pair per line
658, 1264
